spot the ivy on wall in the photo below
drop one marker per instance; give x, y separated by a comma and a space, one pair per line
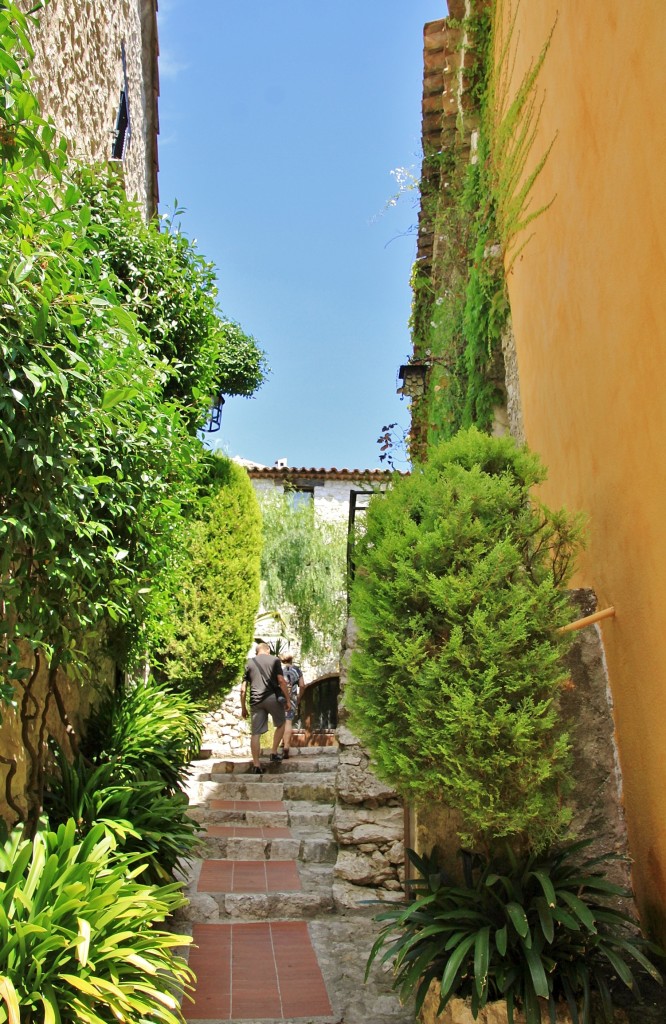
479, 213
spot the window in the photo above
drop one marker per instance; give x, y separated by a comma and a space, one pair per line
300, 496
122, 132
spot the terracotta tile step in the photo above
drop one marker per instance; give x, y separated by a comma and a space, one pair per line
225, 959
248, 876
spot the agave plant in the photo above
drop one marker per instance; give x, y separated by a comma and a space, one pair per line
79, 940
539, 927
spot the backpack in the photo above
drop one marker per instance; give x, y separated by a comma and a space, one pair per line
292, 675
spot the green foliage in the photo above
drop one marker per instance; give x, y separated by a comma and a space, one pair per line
478, 212
110, 346
135, 762
171, 289
457, 598
516, 929
303, 570
78, 935
145, 819
201, 622
149, 728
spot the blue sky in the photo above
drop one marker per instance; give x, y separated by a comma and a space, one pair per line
280, 124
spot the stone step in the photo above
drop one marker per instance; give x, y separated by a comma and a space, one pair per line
304, 814
264, 819
312, 849
319, 788
313, 786
236, 787
257, 906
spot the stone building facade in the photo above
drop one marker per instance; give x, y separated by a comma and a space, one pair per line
97, 78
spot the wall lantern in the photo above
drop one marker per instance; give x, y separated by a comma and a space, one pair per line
413, 376
215, 416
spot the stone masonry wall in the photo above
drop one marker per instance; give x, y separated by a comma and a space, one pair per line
79, 72
226, 734
368, 821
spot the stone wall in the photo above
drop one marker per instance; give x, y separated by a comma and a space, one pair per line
368, 821
79, 72
226, 734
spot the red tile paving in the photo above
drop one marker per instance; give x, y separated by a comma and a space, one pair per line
245, 876
225, 959
247, 805
250, 831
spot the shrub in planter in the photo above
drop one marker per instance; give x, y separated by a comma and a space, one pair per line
457, 597
521, 930
78, 935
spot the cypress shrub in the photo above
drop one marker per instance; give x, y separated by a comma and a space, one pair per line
457, 598
202, 615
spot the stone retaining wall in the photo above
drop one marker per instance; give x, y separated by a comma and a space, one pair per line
368, 821
225, 732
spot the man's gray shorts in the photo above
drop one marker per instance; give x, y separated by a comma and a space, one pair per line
260, 712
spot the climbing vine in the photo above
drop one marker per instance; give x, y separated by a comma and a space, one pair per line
479, 211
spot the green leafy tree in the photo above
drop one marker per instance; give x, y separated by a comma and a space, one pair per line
202, 617
171, 288
458, 595
303, 572
98, 449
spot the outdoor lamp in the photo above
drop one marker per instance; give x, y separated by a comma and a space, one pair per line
215, 417
413, 377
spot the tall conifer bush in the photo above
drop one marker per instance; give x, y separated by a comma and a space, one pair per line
457, 597
202, 612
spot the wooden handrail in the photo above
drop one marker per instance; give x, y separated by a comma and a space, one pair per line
588, 620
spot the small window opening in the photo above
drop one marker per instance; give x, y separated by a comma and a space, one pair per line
122, 124
300, 496
123, 129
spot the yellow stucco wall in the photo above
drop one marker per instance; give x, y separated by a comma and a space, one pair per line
588, 298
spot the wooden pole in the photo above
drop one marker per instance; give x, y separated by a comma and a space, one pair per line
588, 620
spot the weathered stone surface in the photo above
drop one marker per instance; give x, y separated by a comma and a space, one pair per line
316, 786
368, 825
79, 75
359, 785
201, 907
346, 737
360, 869
458, 1011
347, 896
396, 855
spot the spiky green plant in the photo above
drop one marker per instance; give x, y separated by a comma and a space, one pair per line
80, 941
516, 929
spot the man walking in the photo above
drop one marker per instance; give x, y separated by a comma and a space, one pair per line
296, 684
264, 674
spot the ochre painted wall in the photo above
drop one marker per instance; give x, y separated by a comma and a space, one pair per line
588, 298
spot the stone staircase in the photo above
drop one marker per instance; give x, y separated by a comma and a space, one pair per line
271, 944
